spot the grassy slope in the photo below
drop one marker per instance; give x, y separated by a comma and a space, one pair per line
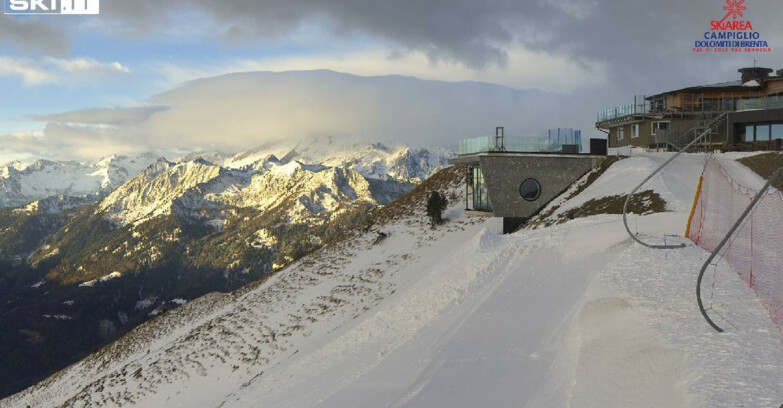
764, 165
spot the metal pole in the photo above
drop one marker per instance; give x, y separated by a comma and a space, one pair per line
661, 167
467, 185
720, 246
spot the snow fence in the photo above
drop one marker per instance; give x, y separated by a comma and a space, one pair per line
755, 251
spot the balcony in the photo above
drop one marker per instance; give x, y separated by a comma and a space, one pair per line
617, 112
770, 102
641, 105
687, 103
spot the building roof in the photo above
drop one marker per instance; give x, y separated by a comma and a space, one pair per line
719, 85
724, 85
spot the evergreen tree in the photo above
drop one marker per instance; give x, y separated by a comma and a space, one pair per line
435, 206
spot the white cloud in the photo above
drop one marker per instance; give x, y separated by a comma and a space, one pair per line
88, 65
240, 111
103, 116
525, 69
65, 142
26, 69
65, 72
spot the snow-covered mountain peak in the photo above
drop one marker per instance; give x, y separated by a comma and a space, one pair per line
319, 173
154, 190
373, 160
264, 153
291, 168
115, 170
22, 184
314, 193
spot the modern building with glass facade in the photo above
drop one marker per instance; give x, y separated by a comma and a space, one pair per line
516, 184
746, 114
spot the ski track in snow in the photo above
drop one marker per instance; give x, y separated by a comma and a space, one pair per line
574, 315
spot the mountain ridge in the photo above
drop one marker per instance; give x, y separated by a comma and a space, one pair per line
106, 261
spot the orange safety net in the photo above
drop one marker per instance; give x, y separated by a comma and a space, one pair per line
755, 250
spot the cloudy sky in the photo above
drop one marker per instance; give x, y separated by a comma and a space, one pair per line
150, 74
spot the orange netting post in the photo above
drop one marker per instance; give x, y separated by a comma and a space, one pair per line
693, 208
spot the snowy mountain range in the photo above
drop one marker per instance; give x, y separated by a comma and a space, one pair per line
21, 184
108, 245
24, 183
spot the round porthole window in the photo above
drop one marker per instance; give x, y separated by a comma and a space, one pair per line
530, 189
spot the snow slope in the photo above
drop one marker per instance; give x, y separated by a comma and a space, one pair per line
575, 315
676, 185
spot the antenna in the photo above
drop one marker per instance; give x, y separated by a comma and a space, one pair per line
500, 137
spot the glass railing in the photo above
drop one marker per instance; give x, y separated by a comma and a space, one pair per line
520, 144
616, 112
771, 102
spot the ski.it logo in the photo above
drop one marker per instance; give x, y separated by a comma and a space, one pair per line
51, 6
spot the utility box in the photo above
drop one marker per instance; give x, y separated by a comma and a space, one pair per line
570, 149
599, 147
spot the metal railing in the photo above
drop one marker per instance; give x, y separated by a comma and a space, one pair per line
681, 133
617, 112
640, 106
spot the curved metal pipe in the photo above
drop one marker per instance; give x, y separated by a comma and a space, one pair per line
628, 200
661, 167
720, 246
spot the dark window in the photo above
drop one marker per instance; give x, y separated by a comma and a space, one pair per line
530, 189
656, 126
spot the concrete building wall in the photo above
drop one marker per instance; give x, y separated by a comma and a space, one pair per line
504, 174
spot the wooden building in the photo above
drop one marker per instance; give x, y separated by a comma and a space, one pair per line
742, 114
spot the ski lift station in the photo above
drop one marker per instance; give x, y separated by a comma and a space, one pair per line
515, 177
